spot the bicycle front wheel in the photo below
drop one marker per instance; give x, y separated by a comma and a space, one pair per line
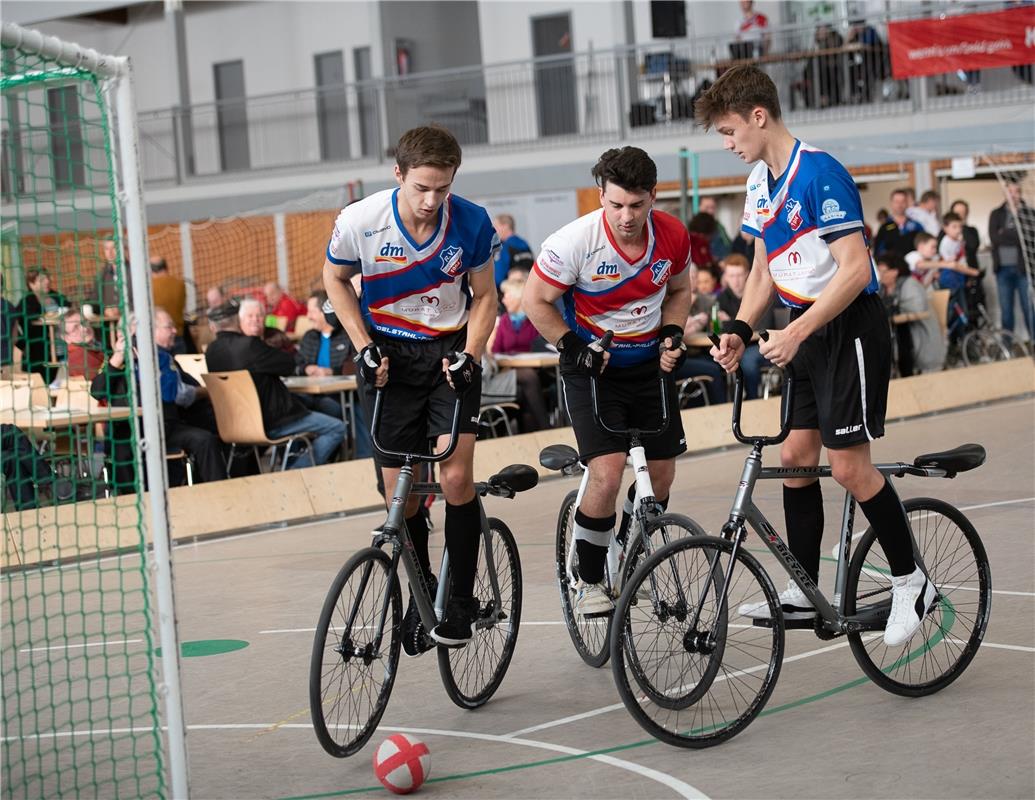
950, 635
473, 673
984, 347
355, 654
690, 670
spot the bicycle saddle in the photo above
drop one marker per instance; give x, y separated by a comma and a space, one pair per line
558, 457
959, 459
516, 477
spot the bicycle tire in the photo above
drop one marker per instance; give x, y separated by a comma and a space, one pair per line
748, 661
985, 347
951, 633
473, 673
337, 646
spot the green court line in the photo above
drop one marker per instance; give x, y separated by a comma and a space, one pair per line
632, 745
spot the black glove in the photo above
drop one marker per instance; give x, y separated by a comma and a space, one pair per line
329, 316
464, 370
368, 362
579, 354
675, 333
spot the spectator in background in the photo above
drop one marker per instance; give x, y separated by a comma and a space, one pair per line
971, 244
215, 297
516, 334
698, 362
921, 344
1010, 228
752, 39
953, 276
280, 304
706, 289
827, 70
926, 212
8, 331
106, 284
514, 252
868, 67
924, 261
35, 339
282, 412
897, 232
720, 243
702, 229
744, 244
252, 322
735, 276
169, 293
85, 356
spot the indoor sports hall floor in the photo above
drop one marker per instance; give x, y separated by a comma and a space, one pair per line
556, 728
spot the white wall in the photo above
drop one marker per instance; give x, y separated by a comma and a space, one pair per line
536, 216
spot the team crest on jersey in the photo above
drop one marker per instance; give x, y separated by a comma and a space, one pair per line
659, 271
452, 260
606, 272
793, 209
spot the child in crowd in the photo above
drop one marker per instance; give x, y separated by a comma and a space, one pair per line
925, 262
954, 271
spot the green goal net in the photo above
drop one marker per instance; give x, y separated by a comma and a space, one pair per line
81, 681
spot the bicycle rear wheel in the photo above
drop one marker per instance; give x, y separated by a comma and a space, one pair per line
691, 672
355, 654
950, 635
590, 636
985, 346
473, 673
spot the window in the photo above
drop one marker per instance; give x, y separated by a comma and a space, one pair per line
332, 116
232, 116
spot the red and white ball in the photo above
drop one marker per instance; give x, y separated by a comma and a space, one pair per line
402, 763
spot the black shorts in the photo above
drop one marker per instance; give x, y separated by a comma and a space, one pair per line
628, 397
841, 375
418, 402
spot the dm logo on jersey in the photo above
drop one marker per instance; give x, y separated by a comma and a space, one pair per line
452, 260
659, 271
607, 272
391, 254
761, 207
793, 209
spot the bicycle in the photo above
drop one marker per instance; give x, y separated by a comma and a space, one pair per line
694, 674
591, 635
355, 654
987, 343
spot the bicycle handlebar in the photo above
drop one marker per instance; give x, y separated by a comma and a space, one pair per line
738, 398
603, 342
454, 436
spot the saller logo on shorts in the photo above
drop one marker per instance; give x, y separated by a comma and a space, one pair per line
848, 430
452, 260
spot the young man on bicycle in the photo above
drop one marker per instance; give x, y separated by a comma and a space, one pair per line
624, 268
428, 307
804, 210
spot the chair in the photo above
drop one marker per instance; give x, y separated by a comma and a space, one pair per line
188, 463
494, 415
940, 308
239, 419
192, 364
694, 388
302, 324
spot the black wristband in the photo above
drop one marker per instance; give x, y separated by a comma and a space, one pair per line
740, 328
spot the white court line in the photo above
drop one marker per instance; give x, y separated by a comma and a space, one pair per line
1016, 647
681, 788
105, 643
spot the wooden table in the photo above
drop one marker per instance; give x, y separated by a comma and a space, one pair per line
544, 359
909, 316
342, 385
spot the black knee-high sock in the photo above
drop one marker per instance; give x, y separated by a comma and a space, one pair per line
417, 525
463, 529
888, 518
803, 514
592, 555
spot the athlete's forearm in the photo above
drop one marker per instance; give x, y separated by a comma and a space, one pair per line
758, 294
679, 296
480, 323
346, 306
541, 311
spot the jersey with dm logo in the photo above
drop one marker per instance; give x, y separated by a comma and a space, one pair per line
813, 202
413, 290
605, 291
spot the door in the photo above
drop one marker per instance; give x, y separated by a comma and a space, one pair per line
66, 138
366, 102
554, 80
232, 116
332, 116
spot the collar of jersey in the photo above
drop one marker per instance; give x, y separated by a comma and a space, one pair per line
787, 171
648, 239
406, 233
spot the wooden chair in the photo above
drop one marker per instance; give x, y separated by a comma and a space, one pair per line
188, 463
193, 364
302, 324
239, 419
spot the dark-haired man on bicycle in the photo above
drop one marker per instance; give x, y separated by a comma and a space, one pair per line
623, 268
428, 307
804, 210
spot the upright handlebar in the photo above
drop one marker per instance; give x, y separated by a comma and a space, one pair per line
454, 432
738, 398
602, 344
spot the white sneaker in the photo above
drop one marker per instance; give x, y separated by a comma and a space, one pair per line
592, 600
793, 601
911, 597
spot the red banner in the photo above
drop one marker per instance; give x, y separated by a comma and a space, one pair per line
968, 41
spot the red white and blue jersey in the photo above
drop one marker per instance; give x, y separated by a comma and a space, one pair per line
814, 200
413, 290
606, 291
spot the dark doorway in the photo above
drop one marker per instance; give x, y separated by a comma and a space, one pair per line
366, 102
232, 116
555, 79
332, 116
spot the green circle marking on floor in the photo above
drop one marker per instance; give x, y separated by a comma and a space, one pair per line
207, 647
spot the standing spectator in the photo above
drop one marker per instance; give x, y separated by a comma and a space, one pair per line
975, 286
752, 37
7, 330
954, 277
720, 243
926, 212
282, 413
515, 334
897, 232
827, 70
35, 338
921, 339
169, 293
735, 275
280, 304
106, 283
85, 356
514, 252
1008, 224
868, 67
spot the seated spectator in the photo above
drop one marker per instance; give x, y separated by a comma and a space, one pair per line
720, 242
924, 262
702, 229
252, 322
28, 477
744, 244
280, 304
35, 339
869, 66
85, 356
215, 297
698, 362
515, 334
706, 288
169, 293
282, 412
326, 350
921, 344
953, 276
752, 362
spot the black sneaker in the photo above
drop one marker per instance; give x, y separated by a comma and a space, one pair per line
456, 628
415, 639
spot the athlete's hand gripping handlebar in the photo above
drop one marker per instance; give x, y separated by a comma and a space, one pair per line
786, 397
